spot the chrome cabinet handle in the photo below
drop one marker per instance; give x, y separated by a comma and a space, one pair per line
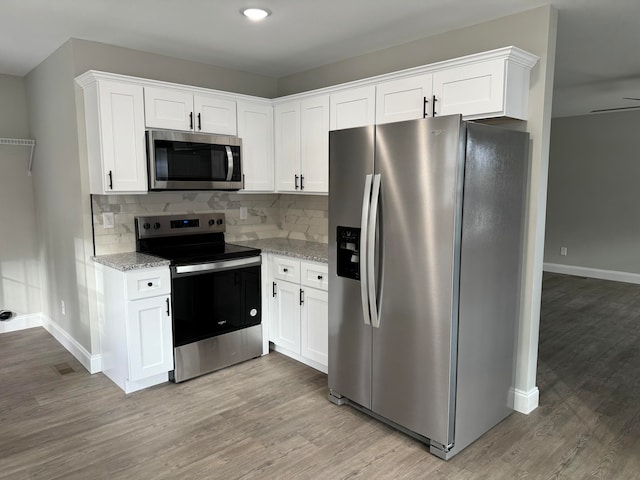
190, 120
273, 289
301, 296
296, 181
168, 314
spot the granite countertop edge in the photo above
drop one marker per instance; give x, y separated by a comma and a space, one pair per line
301, 249
130, 261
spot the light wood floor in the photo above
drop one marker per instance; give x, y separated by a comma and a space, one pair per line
270, 418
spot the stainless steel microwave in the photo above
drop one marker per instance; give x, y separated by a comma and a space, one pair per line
193, 161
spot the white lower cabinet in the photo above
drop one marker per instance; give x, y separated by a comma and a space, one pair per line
299, 310
135, 326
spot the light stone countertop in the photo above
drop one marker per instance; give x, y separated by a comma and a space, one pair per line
312, 251
130, 261
304, 250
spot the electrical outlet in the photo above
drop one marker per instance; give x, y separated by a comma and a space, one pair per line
108, 220
63, 308
243, 213
563, 251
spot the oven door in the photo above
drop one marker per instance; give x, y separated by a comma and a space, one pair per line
213, 299
188, 161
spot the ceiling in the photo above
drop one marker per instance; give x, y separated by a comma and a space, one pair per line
596, 63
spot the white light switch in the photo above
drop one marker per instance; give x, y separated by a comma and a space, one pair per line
563, 251
243, 213
107, 220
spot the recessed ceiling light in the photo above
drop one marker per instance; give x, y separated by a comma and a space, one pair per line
255, 14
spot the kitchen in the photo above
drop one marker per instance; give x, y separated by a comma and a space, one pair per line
61, 185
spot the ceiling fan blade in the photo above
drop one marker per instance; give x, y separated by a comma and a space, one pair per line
631, 98
614, 109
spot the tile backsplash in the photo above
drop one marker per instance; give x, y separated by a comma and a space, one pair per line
301, 217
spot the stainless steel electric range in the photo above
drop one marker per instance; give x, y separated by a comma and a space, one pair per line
215, 291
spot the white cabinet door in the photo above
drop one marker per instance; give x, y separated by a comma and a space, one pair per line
404, 99
149, 337
214, 115
314, 325
353, 108
116, 144
169, 109
286, 318
314, 157
475, 91
287, 146
255, 128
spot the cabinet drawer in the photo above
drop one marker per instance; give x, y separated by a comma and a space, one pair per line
148, 283
314, 275
285, 268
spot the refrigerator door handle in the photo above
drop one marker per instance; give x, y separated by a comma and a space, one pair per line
364, 225
371, 251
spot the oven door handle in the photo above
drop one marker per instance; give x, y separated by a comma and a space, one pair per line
183, 270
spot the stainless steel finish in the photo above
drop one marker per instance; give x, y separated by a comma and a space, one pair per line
208, 223
217, 266
229, 163
364, 228
445, 266
205, 138
351, 158
371, 250
421, 164
218, 352
491, 252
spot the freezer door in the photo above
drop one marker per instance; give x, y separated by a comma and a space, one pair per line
350, 161
421, 164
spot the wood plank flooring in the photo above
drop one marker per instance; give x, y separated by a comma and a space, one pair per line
270, 418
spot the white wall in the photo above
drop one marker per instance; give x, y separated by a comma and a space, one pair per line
19, 265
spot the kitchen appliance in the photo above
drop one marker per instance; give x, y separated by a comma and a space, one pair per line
193, 161
215, 291
425, 249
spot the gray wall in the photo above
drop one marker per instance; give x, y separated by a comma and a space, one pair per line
592, 206
19, 264
60, 176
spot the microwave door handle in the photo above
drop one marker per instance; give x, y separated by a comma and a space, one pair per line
229, 163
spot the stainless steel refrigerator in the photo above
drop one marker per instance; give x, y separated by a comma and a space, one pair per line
425, 253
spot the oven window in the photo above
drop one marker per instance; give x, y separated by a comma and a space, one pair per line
210, 304
186, 161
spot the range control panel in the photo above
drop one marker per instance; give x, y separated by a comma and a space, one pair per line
191, 223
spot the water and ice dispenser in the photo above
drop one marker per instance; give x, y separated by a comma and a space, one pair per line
348, 239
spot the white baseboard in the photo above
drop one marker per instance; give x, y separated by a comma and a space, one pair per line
93, 363
592, 273
526, 402
21, 322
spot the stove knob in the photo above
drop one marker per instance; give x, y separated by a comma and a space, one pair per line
156, 225
212, 222
219, 222
146, 226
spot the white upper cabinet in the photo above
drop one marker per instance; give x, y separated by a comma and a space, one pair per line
355, 107
489, 89
175, 109
404, 99
255, 128
314, 144
114, 120
302, 145
287, 146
